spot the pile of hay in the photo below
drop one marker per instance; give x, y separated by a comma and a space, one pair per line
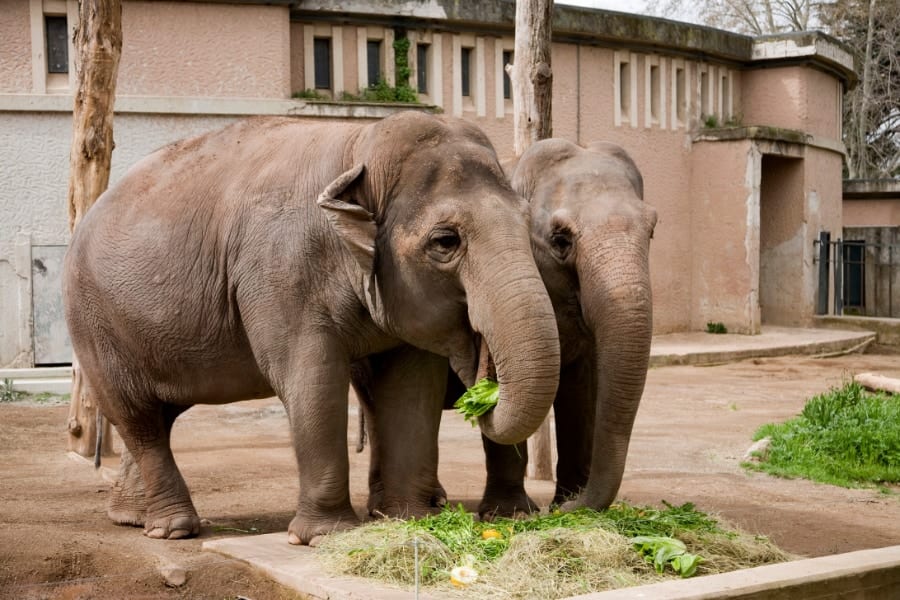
545, 556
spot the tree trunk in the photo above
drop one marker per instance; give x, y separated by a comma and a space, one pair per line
531, 80
530, 75
98, 44
862, 169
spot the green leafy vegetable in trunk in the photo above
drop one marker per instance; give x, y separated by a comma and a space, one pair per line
478, 399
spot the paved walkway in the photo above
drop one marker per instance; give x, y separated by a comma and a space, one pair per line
701, 348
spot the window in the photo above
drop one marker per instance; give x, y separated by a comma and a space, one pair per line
466, 58
654, 92
724, 93
56, 31
422, 68
680, 104
373, 61
507, 84
704, 94
625, 88
322, 54
854, 273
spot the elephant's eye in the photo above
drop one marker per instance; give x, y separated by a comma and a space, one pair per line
443, 243
561, 243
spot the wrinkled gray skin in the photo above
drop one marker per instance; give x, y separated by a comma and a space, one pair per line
591, 234
265, 258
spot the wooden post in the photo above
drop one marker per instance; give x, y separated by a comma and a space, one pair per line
530, 75
98, 47
531, 80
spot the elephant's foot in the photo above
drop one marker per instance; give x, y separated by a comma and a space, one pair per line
127, 501
174, 526
563, 495
413, 505
513, 503
584, 501
310, 530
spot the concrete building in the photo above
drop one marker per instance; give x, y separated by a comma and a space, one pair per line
738, 138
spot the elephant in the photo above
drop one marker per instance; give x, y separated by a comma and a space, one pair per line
590, 232
265, 258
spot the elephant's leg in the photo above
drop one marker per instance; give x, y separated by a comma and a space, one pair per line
574, 410
315, 398
407, 390
128, 501
170, 514
504, 492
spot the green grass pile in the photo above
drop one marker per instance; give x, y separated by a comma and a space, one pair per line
545, 556
846, 436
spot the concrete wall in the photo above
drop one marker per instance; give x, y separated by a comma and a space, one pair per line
15, 46
724, 230
795, 97
197, 49
871, 213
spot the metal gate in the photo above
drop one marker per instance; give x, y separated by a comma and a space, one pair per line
858, 277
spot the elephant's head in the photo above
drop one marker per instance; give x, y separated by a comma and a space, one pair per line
443, 258
591, 233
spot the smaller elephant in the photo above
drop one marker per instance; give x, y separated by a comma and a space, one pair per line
590, 231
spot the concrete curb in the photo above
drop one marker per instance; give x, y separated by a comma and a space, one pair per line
53, 380
866, 574
853, 342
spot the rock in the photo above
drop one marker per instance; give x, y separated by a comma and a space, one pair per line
758, 451
174, 575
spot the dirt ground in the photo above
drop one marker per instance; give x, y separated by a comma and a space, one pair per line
694, 425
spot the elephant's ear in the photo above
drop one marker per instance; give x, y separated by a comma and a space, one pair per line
353, 224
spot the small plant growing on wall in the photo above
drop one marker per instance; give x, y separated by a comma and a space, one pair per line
716, 327
709, 121
383, 91
309, 94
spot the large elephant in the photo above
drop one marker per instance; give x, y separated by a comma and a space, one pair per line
266, 257
590, 234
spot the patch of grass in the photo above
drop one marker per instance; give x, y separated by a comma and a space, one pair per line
716, 327
7, 393
545, 556
846, 436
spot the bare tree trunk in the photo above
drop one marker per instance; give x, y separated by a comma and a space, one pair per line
98, 43
530, 75
861, 167
531, 80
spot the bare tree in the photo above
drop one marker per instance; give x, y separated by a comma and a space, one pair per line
531, 80
872, 109
98, 44
753, 17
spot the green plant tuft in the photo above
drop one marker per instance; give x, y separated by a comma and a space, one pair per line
846, 436
309, 94
8, 393
716, 327
709, 121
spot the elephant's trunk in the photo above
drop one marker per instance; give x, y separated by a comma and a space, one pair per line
616, 300
510, 307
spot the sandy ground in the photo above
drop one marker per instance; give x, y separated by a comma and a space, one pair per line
694, 425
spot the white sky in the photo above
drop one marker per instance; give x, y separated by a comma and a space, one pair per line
631, 6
